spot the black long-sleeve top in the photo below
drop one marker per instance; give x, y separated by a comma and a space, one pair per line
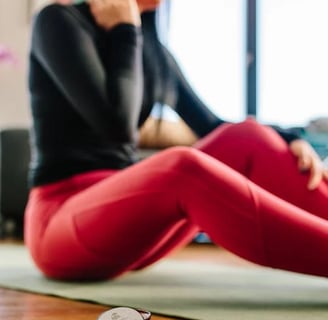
91, 90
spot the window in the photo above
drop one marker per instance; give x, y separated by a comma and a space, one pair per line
292, 61
207, 39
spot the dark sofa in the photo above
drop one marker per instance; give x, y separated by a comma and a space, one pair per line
14, 161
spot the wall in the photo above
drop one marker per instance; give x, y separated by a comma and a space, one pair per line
15, 22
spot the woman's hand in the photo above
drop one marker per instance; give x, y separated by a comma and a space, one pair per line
109, 13
308, 160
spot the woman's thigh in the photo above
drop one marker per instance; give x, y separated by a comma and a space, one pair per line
126, 221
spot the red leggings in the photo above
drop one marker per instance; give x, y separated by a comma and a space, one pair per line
100, 224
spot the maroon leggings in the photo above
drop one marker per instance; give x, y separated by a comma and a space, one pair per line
243, 189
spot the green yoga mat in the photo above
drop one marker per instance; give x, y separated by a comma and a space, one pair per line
204, 291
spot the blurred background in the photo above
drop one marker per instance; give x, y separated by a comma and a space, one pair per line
264, 57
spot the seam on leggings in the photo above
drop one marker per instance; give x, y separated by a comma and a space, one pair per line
259, 222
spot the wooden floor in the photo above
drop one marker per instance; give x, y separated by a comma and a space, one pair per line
17, 305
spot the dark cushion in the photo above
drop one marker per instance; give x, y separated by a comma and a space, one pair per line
14, 162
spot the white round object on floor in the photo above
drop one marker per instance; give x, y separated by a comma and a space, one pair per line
121, 313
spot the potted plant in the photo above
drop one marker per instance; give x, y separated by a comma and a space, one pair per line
7, 56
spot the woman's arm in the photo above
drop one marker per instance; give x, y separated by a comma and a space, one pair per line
98, 71
188, 105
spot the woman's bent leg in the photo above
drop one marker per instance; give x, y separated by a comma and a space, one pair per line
260, 154
112, 226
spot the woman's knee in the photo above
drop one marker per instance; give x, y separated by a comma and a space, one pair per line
254, 137
246, 129
259, 131
181, 159
181, 154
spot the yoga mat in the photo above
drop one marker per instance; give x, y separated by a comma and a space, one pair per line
203, 291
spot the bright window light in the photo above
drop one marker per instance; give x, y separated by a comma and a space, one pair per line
292, 61
207, 38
